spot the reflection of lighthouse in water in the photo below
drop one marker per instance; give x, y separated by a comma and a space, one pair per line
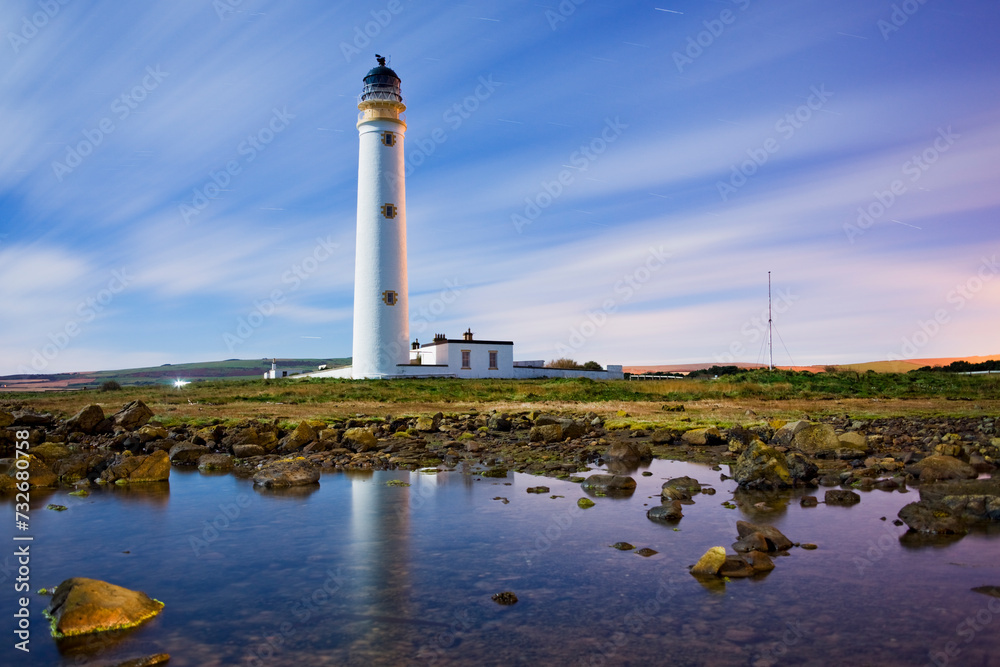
381, 310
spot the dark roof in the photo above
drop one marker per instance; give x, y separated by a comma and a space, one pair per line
381, 70
468, 342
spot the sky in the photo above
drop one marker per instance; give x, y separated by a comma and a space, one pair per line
608, 181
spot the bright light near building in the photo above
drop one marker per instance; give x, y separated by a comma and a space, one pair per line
180, 383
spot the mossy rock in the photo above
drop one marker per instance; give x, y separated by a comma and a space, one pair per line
83, 606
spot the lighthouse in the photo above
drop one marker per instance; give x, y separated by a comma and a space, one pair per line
381, 317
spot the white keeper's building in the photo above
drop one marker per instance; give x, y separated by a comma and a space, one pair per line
382, 347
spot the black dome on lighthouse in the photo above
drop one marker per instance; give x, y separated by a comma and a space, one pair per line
382, 83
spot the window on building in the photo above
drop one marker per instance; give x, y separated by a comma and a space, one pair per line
466, 358
390, 297
389, 139
389, 211
493, 360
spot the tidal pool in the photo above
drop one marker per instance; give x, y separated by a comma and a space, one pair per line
357, 571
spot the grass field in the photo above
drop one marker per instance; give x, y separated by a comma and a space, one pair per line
784, 394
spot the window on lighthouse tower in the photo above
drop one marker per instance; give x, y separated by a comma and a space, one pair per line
389, 297
389, 211
389, 139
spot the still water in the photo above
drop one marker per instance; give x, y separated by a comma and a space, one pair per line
358, 572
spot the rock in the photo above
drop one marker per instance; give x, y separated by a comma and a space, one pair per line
809, 501
975, 501
841, 497
622, 546
800, 467
753, 542
546, 420
128, 469
760, 562
215, 463
855, 440
8, 486
572, 428
761, 467
629, 453
186, 453
646, 552
505, 598
29, 418
735, 567
585, 503
149, 433
701, 437
427, 424
247, 451
938, 467
82, 465
609, 485
785, 432
50, 452
82, 606
662, 436
133, 416
710, 563
6, 419
817, 440
287, 472
689, 485
993, 591
670, 493
776, 541
300, 437
668, 512
921, 517
87, 419
499, 422
538, 489
360, 439
39, 474
546, 433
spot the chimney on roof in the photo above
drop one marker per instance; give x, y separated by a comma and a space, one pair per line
467, 335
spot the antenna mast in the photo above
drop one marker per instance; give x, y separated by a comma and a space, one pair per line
770, 339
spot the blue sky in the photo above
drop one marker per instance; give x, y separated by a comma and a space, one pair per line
601, 180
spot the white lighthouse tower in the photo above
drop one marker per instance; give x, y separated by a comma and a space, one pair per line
381, 313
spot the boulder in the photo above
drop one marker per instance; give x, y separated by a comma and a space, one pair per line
360, 439
50, 452
8, 486
629, 453
760, 562
662, 436
710, 563
801, 468
841, 497
785, 433
702, 437
6, 419
817, 440
148, 433
30, 418
735, 567
609, 485
938, 467
974, 501
922, 517
87, 419
668, 512
82, 606
246, 451
572, 428
300, 437
776, 541
129, 469
287, 472
215, 463
546, 433
133, 416
428, 424
499, 422
689, 485
39, 474
761, 466
186, 453
82, 465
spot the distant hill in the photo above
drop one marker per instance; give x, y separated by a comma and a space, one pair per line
903, 366
206, 370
